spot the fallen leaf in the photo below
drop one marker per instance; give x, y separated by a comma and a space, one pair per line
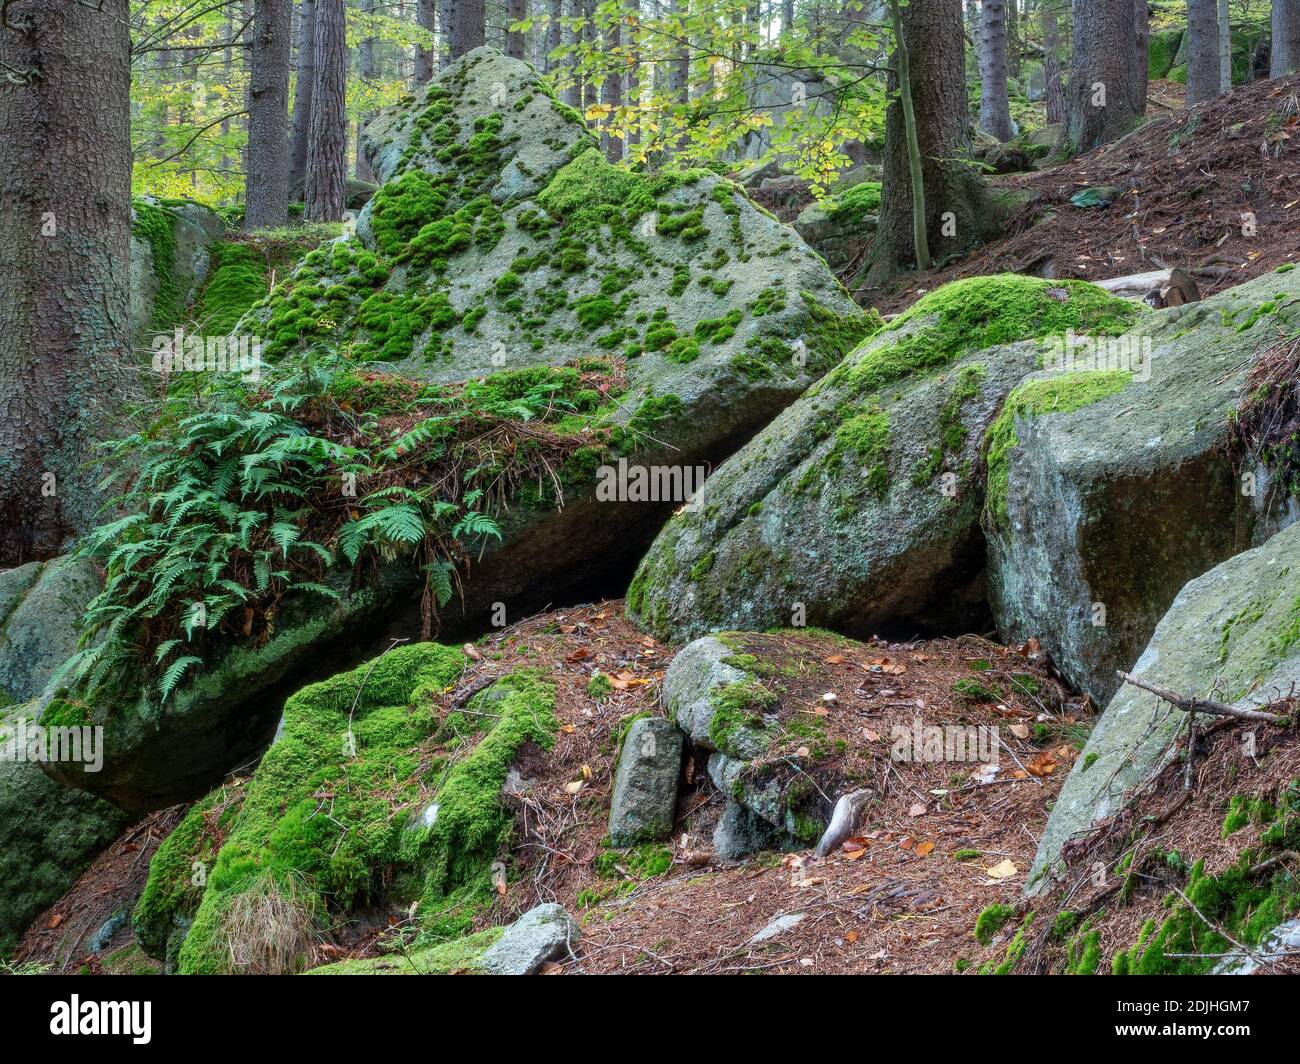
917, 809
550, 968
1004, 869
924, 849
1020, 731
470, 651
573, 788
834, 659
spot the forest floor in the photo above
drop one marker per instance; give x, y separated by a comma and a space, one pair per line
1214, 189
941, 843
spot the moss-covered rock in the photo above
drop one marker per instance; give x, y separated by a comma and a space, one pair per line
170, 244
859, 506
1232, 634
1099, 513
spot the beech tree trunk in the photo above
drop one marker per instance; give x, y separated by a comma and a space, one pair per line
1284, 56
66, 363
267, 197
328, 142
954, 193
995, 109
1101, 103
305, 84
1202, 51
574, 91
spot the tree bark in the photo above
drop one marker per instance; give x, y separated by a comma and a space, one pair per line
65, 241
1142, 60
369, 72
1052, 86
267, 197
995, 110
328, 145
554, 31
468, 26
1225, 49
612, 93
1202, 51
954, 197
516, 11
574, 90
1100, 103
1284, 56
426, 16
305, 83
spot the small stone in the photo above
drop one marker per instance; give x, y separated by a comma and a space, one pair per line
544, 933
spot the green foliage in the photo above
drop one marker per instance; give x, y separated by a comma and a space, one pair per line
990, 921
234, 506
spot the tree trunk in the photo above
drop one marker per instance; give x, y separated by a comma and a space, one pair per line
327, 154
1142, 60
787, 17
612, 94
468, 26
1284, 58
995, 110
1202, 51
267, 197
65, 241
516, 11
954, 199
633, 76
1054, 90
369, 72
1013, 38
1225, 49
554, 33
305, 83
915, 170
426, 16
573, 92
1101, 104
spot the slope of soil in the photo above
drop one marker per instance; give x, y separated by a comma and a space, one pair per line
1188, 178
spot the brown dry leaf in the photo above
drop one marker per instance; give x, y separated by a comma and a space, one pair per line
471, 651
1020, 731
1043, 765
870, 736
586, 772
55, 920
580, 654
803, 751
894, 670
917, 809
851, 937
568, 729
551, 968
573, 788
568, 629
924, 849
853, 855
834, 659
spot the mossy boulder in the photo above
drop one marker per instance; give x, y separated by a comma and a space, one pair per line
49, 834
170, 241
366, 797
1106, 497
858, 508
1232, 634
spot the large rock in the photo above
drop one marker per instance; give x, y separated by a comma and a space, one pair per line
49, 834
1099, 516
858, 508
500, 240
544, 933
1232, 634
644, 801
169, 261
40, 615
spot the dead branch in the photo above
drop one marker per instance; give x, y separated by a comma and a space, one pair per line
1200, 705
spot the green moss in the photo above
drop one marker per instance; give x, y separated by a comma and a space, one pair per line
1036, 398
866, 437
982, 312
156, 226
990, 921
1083, 953
737, 726
462, 956
854, 204
951, 431
975, 691
354, 738
966, 854
599, 687
238, 280
590, 190
637, 863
